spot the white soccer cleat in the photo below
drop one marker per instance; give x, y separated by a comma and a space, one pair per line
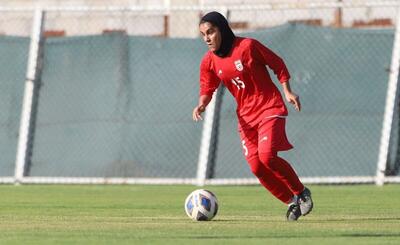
293, 212
305, 201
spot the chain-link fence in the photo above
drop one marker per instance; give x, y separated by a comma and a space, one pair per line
127, 115
14, 48
117, 87
341, 76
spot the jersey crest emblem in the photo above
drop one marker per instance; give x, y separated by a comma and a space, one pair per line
239, 65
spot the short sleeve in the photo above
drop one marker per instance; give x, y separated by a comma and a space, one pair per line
209, 81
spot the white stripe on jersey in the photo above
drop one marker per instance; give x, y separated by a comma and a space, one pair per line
276, 116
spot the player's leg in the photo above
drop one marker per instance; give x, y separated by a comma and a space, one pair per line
268, 179
283, 171
304, 196
265, 176
284, 175
277, 188
273, 138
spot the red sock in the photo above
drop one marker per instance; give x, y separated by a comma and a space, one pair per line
268, 179
283, 171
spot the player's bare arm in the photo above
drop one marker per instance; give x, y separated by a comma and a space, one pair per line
204, 100
291, 97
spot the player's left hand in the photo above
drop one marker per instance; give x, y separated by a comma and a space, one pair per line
197, 111
293, 99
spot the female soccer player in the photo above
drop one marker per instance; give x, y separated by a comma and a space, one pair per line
240, 63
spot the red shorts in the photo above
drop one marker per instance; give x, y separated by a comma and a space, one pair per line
267, 137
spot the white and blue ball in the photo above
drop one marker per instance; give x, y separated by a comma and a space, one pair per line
201, 205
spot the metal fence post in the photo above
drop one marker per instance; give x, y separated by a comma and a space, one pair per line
209, 139
30, 97
389, 107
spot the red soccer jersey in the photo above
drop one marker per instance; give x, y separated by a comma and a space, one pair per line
244, 74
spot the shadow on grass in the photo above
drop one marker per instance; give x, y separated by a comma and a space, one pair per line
291, 236
306, 220
370, 235
355, 219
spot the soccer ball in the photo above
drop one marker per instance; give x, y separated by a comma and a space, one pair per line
201, 205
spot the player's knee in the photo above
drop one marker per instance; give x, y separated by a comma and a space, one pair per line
256, 167
268, 159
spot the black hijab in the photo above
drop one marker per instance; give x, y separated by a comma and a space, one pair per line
227, 35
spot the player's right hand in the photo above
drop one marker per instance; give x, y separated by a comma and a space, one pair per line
197, 111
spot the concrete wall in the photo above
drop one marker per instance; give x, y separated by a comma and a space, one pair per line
177, 23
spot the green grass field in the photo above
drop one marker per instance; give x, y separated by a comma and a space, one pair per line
59, 214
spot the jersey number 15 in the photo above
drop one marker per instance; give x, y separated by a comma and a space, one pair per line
238, 83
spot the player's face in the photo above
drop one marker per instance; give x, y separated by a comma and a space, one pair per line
211, 35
